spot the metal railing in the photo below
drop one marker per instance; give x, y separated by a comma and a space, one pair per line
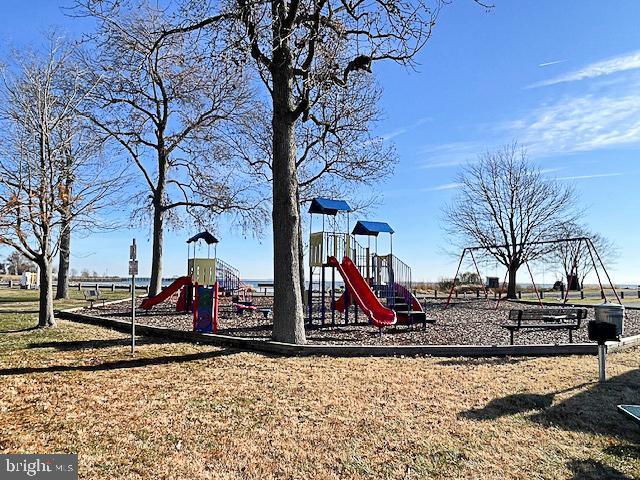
228, 277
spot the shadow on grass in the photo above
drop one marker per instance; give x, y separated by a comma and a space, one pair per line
482, 361
592, 410
102, 343
120, 364
624, 451
21, 330
594, 470
510, 405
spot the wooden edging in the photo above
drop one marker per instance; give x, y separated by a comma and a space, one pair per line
289, 349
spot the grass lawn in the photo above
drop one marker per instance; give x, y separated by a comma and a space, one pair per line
184, 411
15, 300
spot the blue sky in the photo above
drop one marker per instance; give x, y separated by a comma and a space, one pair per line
561, 78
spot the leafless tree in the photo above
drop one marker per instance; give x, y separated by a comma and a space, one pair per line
18, 264
40, 96
338, 156
574, 256
167, 101
505, 204
303, 50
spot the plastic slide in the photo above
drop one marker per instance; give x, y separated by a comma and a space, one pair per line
177, 284
405, 292
361, 294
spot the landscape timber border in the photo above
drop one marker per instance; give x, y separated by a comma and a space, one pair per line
290, 349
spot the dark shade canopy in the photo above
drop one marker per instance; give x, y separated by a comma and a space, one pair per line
206, 236
326, 206
371, 228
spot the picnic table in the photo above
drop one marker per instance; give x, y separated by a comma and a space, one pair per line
630, 411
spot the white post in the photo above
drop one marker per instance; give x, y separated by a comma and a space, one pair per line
602, 361
133, 269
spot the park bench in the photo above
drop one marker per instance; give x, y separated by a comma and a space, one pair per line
540, 319
92, 295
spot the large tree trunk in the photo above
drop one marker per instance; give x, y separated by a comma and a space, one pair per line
62, 286
288, 317
45, 311
511, 286
155, 283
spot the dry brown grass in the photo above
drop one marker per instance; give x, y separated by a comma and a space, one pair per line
184, 411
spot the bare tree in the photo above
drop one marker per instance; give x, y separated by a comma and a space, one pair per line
39, 97
302, 50
81, 149
337, 156
18, 264
505, 205
574, 256
167, 100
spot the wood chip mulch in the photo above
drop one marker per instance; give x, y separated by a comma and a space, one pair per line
473, 322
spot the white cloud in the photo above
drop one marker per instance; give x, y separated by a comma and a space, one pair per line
579, 124
630, 61
595, 175
402, 130
554, 62
445, 186
450, 154
551, 170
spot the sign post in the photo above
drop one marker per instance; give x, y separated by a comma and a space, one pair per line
133, 271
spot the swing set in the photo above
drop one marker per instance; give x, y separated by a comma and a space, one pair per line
582, 242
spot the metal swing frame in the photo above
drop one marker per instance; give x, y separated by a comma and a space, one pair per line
593, 255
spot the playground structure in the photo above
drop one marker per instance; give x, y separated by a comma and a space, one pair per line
199, 290
572, 277
379, 286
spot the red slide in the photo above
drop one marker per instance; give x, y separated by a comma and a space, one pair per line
177, 284
362, 294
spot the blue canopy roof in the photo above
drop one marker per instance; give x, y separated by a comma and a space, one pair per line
206, 236
327, 206
371, 228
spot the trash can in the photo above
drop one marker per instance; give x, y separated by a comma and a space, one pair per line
611, 313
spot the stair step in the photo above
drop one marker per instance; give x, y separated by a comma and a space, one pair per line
399, 307
416, 317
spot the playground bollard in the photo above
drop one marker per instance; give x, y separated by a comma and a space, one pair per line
541, 294
435, 294
622, 295
519, 294
602, 362
456, 293
113, 287
602, 294
477, 293
581, 294
638, 293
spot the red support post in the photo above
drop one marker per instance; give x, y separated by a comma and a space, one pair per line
484, 287
453, 285
533, 282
